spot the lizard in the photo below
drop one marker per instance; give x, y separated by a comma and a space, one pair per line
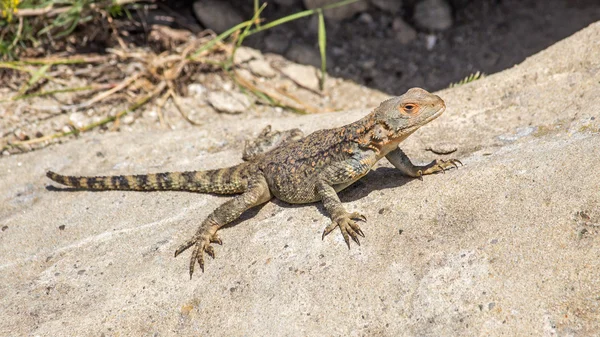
298, 170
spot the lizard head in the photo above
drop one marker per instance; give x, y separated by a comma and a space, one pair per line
404, 114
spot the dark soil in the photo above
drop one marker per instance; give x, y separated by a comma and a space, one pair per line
487, 36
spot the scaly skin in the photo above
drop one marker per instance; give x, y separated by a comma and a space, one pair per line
296, 171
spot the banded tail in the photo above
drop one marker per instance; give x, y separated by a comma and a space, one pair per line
228, 180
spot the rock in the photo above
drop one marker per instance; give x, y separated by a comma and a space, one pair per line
216, 15
276, 43
261, 68
304, 54
196, 89
430, 41
506, 245
390, 6
128, 119
21, 135
245, 54
404, 32
339, 13
228, 101
78, 119
285, 3
433, 15
305, 76
366, 18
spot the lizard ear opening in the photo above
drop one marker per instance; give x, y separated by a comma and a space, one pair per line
409, 109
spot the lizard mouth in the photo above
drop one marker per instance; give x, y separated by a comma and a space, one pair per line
437, 113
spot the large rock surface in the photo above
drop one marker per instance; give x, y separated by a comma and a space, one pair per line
509, 244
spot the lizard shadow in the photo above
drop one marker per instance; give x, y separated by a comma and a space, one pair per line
382, 178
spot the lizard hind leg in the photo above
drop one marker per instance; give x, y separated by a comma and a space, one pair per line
257, 193
268, 140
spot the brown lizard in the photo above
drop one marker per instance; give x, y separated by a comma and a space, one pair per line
297, 171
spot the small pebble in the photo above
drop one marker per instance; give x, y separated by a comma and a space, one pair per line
129, 119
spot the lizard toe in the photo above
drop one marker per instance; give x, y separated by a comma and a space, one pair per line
328, 229
201, 242
357, 216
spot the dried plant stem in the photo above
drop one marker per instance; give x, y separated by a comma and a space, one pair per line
159, 88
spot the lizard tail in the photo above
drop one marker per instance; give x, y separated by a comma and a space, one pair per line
230, 180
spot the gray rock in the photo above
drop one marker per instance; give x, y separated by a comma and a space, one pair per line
196, 89
128, 119
390, 6
366, 18
217, 15
228, 102
433, 14
305, 76
304, 54
339, 13
276, 43
286, 3
404, 32
430, 41
245, 54
261, 68
78, 119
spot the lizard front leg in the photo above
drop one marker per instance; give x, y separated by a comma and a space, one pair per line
257, 193
339, 216
336, 177
401, 161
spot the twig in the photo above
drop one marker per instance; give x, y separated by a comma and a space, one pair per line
76, 59
47, 11
161, 103
18, 35
178, 105
269, 97
105, 94
59, 91
159, 88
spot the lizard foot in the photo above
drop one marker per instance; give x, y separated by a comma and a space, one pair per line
201, 242
348, 227
439, 165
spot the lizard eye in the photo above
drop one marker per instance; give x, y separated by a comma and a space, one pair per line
410, 108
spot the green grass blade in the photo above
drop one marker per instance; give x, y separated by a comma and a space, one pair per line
322, 49
256, 6
283, 20
255, 19
221, 37
299, 15
35, 77
339, 4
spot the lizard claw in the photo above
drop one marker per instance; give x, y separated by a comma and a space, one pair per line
439, 165
347, 226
